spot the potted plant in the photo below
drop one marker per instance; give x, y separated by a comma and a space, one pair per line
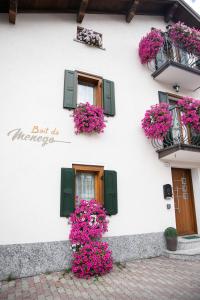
170, 234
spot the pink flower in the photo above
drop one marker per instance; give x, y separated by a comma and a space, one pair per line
185, 37
150, 45
91, 256
157, 121
94, 258
190, 109
88, 118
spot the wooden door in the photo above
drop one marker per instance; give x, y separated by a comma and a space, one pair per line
184, 202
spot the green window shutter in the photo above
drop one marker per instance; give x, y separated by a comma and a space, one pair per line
70, 90
163, 97
108, 97
168, 141
110, 192
67, 194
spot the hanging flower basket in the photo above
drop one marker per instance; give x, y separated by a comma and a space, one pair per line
185, 37
150, 45
88, 119
157, 121
91, 256
190, 115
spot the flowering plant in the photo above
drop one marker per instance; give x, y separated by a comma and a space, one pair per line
89, 222
190, 109
88, 118
150, 45
91, 256
94, 258
157, 121
185, 37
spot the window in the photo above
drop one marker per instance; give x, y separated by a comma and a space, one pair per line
88, 183
89, 89
82, 87
179, 133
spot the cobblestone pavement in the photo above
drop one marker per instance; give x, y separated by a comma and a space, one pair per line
149, 279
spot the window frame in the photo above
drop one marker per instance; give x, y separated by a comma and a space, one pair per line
95, 81
99, 172
175, 98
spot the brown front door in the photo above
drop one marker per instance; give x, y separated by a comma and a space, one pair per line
184, 202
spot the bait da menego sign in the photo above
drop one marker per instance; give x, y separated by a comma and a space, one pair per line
44, 136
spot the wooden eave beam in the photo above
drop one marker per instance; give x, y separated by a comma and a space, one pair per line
171, 12
82, 10
132, 11
12, 11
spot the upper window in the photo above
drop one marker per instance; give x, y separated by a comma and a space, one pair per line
82, 87
89, 89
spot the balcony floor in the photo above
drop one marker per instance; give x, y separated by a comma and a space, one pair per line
181, 153
173, 73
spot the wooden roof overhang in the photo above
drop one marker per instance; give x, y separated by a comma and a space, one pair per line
172, 10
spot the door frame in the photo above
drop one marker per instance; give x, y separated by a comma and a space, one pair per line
192, 199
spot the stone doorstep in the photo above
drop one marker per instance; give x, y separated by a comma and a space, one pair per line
184, 244
188, 252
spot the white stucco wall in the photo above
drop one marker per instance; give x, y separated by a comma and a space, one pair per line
33, 56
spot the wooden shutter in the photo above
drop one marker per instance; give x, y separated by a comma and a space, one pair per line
163, 97
67, 194
110, 192
108, 97
70, 90
168, 140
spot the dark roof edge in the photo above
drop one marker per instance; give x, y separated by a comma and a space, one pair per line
190, 10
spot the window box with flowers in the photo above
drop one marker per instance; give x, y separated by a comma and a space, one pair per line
91, 97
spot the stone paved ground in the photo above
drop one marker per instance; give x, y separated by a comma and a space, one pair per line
150, 279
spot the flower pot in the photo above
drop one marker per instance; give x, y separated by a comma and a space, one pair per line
171, 243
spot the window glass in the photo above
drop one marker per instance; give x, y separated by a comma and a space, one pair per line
85, 186
85, 93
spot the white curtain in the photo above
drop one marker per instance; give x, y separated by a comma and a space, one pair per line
85, 94
85, 187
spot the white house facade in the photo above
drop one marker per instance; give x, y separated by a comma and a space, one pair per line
45, 72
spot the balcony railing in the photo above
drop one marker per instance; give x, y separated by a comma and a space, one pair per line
170, 52
175, 66
178, 137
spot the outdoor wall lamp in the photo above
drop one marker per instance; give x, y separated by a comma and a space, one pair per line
176, 87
